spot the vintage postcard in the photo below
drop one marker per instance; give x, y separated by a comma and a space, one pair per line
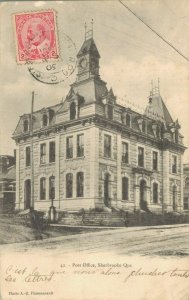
94, 159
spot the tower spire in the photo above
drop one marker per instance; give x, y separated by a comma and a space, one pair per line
158, 86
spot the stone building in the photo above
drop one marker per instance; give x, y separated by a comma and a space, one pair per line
7, 183
186, 187
91, 152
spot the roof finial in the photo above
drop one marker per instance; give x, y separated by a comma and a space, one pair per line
92, 22
152, 88
89, 33
158, 86
85, 30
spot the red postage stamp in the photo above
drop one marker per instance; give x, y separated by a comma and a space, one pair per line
36, 36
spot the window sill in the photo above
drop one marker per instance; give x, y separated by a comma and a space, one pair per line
74, 158
46, 200
76, 198
47, 164
125, 164
108, 158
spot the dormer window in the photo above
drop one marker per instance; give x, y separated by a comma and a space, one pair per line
26, 126
72, 111
157, 132
128, 120
110, 112
143, 126
45, 120
176, 136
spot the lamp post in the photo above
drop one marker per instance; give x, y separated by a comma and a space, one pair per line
52, 209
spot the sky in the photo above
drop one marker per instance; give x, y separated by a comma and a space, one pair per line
131, 57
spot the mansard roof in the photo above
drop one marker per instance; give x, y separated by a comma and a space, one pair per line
157, 108
88, 46
36, 118
10, 174
156, 122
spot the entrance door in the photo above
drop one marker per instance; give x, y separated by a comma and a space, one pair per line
106, 189
174, 197
27, 194
143, 203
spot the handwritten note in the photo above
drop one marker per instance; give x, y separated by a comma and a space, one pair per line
29, 279
125, 271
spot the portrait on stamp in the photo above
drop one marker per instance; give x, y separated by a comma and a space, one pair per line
36, 36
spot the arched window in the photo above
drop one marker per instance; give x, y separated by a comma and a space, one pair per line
69, 185
45, 120
125, 188
52, 187
72, 111
174, 198
27, 194
128, 120
155, 192
42, 188
187, 182
143, 126
106, 189
143, 195
80, 184
110, 112
26, 125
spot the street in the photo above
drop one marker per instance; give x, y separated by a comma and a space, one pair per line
169, 240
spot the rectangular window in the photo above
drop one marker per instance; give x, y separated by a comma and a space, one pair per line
69, 147
42, 188
1, 187
69, 185
52, 152
107, 145
125, 153
43, 153
186, 203
174, 164
28, 156
80, 145
155, 160
140, 157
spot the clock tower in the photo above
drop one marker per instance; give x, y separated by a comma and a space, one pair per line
88, 61
88, 83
